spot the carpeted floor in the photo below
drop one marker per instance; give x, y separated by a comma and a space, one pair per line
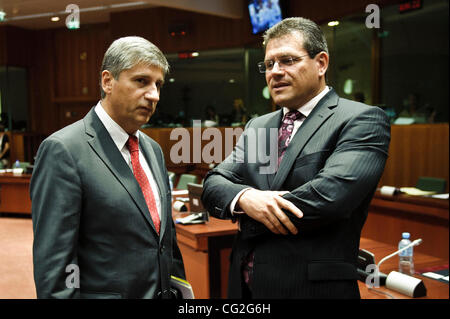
16, 262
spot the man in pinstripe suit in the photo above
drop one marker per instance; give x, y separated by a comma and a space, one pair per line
300, 226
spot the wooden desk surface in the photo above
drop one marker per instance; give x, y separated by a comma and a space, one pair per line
427, 206
423, 217
196, 236
418, 200
14, 193
435, 289
214, 227
14, 178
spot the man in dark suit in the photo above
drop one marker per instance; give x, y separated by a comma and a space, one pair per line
300, 223
101, 200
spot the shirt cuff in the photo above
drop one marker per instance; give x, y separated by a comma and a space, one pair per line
234, 202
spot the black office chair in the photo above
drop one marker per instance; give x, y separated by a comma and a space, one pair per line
185, 179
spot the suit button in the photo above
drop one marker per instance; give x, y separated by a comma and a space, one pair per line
161, 249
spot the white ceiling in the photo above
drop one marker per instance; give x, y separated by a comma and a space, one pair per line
36, 14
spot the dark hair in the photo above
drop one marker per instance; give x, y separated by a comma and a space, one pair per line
313, 39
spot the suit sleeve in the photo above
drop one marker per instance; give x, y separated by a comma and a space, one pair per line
56, 205
350, 174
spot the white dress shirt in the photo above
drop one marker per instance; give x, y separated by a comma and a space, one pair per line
305, 109
120, 138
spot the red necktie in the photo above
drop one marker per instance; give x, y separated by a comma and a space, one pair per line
142, 179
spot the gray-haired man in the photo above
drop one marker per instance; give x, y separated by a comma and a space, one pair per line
101, 202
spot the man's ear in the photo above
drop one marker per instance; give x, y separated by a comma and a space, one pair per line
322, 60
107, 81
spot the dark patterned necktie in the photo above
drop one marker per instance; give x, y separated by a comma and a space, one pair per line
285, 132
142, 179
284, 136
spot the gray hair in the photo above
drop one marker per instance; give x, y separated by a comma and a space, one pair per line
313, 39
125, 53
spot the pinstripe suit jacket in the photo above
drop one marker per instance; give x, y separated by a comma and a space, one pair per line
331, 169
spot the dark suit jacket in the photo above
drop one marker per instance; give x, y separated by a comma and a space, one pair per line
331, 169
88, 210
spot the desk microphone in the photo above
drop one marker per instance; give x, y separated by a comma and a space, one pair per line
402, 283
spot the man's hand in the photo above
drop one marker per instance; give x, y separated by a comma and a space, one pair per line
266, 208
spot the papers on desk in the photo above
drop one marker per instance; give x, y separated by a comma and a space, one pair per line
404, 121
195, 218
441, 275
440, 196
15, 171
180, 192
418, 192
415, 191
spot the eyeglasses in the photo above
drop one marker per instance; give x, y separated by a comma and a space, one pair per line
283, 62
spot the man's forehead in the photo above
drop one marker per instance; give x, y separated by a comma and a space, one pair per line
287, 42
145, 70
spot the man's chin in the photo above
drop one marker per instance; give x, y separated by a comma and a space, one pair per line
284, 103
141, 120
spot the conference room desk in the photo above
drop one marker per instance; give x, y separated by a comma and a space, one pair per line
14, 193
422, 262
423, 217
206, 249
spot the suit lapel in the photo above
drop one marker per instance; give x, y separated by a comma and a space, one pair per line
273, 122
153, 163
103, 145
321, 112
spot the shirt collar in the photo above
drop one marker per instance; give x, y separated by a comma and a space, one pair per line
307, 108
118, 134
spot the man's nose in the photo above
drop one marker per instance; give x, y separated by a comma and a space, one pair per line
276, 68
152, 93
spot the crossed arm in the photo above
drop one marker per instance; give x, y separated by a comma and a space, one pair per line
350, 173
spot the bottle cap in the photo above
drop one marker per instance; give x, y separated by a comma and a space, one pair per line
405, 235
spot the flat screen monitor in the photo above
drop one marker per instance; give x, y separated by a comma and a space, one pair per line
264, 14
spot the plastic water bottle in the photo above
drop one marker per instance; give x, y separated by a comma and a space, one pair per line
17, 164
406, 262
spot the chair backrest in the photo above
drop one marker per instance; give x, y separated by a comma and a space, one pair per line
185, 179
433, 184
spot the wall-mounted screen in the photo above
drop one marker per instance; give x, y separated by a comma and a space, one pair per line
264, 14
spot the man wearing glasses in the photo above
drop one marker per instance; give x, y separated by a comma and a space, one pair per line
300, 226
